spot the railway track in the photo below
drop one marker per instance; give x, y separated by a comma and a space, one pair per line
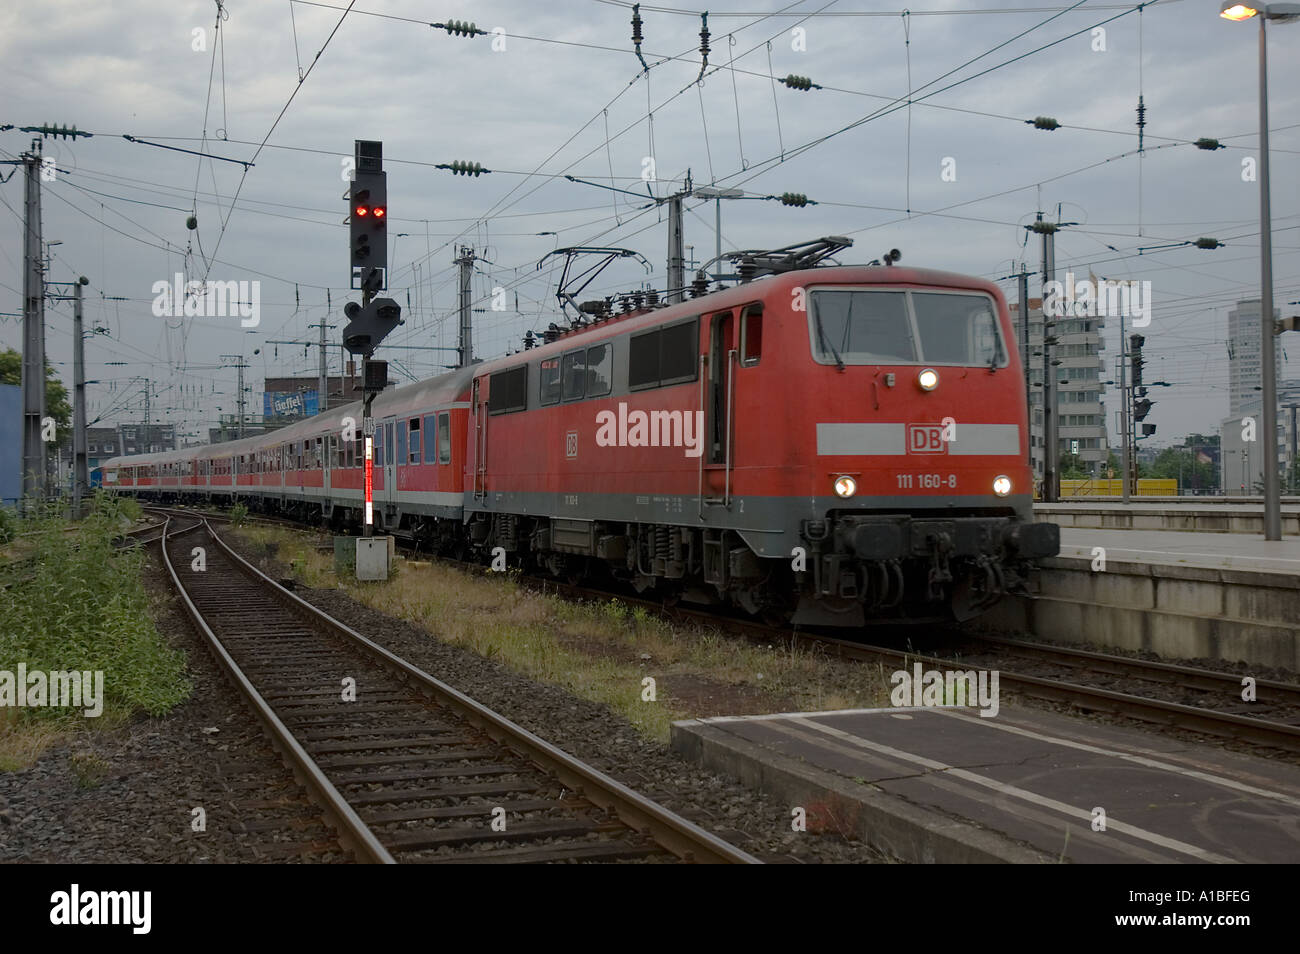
1089, 681
1064, 675
403, 765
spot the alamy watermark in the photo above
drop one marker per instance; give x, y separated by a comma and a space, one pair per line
59, 688
208, 299
1101, 299
683, 429
77, 907
952, 688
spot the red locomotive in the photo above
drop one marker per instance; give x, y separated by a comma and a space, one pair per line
824, 445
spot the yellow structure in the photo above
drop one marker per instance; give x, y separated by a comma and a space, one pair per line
1102, 487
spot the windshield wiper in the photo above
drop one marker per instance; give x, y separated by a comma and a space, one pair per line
821, 339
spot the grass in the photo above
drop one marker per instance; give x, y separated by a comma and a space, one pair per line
79, 604
599, 650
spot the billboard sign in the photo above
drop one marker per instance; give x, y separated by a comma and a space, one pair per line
290, 403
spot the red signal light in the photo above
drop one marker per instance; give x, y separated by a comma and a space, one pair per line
362, 211
380, 212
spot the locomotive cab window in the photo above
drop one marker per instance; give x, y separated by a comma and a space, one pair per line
958, 329
857, 326
508, 391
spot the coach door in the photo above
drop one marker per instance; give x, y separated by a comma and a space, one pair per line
718, 390
327, 465
478, 436
389, 493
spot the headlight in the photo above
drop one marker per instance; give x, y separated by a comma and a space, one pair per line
846, 486
1002, 485
928, 379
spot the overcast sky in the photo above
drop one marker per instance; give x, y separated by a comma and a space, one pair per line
567, 96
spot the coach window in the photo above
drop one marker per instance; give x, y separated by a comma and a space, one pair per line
600, 370
377, 451
549, 381
573, 373
508, 391
415, 441
342, 450
751, 335
401, 441
430, 441
444, 438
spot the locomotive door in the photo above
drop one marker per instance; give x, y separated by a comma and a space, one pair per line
717, 390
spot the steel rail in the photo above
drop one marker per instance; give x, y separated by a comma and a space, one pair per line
353, 832
1193, 677
681, 837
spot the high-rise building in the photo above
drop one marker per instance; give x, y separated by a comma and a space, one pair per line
1080, 394
1243, 461
1244, 368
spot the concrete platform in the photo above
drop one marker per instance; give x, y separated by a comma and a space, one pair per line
944, 785
1182, 548
1182, 595
1194, 514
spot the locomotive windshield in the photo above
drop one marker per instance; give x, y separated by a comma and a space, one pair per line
861, 326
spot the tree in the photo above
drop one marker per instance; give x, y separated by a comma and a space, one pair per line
1181, 464
56, 395
1072, 467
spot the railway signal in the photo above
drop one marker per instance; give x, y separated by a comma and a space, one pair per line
370, 324
1135, 349
368, 218
371, 321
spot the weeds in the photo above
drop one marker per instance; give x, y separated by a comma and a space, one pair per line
78, 603
595, 649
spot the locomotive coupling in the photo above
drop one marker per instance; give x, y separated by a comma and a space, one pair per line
899, 537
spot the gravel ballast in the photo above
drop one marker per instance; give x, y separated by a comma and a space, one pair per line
128, 794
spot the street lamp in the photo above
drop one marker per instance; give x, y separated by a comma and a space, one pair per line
1282, 12
718, 194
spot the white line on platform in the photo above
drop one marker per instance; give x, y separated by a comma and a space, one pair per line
1138, 759
1222, 561
1014, 791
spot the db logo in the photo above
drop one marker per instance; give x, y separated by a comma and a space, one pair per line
925, 439
571, 444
